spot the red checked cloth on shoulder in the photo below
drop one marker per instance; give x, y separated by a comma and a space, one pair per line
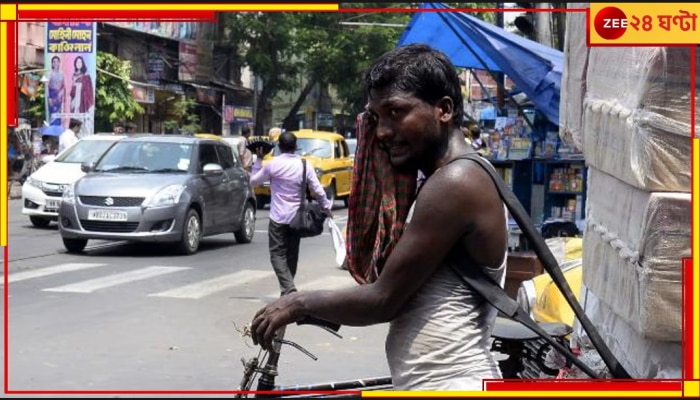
380, 199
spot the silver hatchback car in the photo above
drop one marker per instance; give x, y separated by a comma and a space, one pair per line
160, 188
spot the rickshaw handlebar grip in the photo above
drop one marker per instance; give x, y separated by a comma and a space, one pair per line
308, 320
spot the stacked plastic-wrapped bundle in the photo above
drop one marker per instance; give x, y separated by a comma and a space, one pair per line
628, 109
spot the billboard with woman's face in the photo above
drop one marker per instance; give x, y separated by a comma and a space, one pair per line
70, 58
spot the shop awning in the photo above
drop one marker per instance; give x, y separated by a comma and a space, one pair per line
472, 43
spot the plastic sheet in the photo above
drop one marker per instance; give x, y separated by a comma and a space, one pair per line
642, 358
573, 81
632, 253
628, 109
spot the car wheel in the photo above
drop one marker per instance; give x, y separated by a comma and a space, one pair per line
40, 222
75, 245
191, 233
245, 233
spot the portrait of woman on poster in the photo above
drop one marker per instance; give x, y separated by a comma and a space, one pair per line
81, 94
57, 88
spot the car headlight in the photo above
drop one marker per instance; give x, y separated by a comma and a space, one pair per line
318, 172
527, 297
69, 194
168, 196
34, 182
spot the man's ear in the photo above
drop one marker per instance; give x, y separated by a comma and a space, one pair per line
445, 108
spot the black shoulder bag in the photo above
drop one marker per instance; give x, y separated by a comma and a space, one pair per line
493, 293
309, 219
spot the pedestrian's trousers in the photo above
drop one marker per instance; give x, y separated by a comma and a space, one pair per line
284, 255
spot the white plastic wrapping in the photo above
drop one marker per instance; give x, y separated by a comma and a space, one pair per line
633, 247
573, 81
628, 109
642, 358
636, 115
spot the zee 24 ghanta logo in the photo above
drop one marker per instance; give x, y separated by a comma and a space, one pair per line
611, 23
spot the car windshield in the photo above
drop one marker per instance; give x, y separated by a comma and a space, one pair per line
85, 151
146, 157
311, 147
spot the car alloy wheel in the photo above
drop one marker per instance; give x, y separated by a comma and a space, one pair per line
247, 230
192, 233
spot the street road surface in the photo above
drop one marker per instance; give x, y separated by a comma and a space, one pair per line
126, 317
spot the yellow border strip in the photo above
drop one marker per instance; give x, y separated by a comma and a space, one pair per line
194, 7
3, 133
695, 318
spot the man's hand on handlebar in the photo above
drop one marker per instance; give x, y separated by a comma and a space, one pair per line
272, 317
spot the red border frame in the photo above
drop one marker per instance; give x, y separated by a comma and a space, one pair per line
211, 15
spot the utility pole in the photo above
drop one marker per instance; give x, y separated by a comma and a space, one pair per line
500, 85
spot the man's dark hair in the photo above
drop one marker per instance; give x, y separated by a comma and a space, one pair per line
421, 70
245, 131
287, 142
73, 123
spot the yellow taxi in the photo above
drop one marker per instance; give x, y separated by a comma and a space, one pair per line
328, 154
541, 297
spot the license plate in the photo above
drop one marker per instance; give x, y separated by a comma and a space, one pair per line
107, 215
52, 204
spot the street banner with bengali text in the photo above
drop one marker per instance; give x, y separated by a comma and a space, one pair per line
71, 68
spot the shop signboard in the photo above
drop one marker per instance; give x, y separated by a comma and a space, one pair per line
144, 95
187, 68
238, 114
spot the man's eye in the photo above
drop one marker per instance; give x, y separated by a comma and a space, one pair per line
395, 112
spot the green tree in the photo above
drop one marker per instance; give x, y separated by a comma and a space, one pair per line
266, 42
36, 107
338, 54
182, 118
279, 48
113, 100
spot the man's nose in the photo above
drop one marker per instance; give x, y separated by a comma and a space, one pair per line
384, 130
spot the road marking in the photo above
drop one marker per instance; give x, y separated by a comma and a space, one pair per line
327, 283
205, 288
57, 269
91, 285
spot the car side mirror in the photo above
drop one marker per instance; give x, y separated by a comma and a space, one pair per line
87, 167
212, 169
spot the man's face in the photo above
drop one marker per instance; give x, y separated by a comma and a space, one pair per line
76, 129
408, 128
118, 129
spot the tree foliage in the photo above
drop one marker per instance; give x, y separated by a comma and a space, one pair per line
182, 118
113, 98
285, 49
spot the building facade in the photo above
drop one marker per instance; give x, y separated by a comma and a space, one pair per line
169, 60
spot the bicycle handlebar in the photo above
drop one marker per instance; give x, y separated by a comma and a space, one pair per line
329, 326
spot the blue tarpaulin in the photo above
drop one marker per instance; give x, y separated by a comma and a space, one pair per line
472, 43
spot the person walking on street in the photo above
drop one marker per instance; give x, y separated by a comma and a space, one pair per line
70, 136
245, 154
403, 245
285, 175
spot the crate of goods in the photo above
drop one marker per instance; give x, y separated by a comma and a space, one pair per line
636, 115
634, 243
642, 358
573, 82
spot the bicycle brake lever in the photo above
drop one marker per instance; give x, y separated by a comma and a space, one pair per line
298, 347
